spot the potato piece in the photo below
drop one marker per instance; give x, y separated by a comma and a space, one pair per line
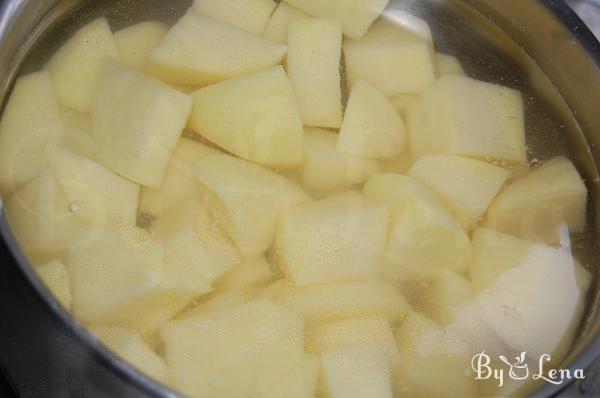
124, 279
179, 182
75, 67
77, 134
195, 242
372, 331
257, 344
359, 372
336, 239
251, 16
129, 346
414, 329
325, 169
30, 121
247, 275
372, 128
446, 293
392, 58
136, 42
313, 65
356, 15
247, 199
276, 29
448, 65
461, 116
423, 235
534, 206
254, 117
466, 186
56, 278
201, 51
136, 122
224, 300
328, 302
401, 101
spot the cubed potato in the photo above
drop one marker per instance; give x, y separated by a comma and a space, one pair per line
534, 206
136, 123
446, 293
124, 279
247, 275
195, 242
313, 65
136, 42
413, 331
359, 372
392, 58
436, 377
533, 306
128, 345
325, 169
30, 121
276, 29
448, 65
401, 101
254, 117
461, 116
423, 235
247, 199
249, 15
467, 186
221, 300
257, 344
372, 128
179, 183
356, 15
56, 277
372, 331
75, 67
199, 51
77, 133
339, 238
328, 302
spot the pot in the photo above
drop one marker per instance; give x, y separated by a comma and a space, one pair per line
537, 46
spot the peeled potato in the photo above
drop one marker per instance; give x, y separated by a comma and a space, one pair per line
76, 66
56, 277
198, 51
136, 42
446, 293
313, 65
448, 65
249, 15
466, 186
534, 206
255, 117
276, 29
247, 275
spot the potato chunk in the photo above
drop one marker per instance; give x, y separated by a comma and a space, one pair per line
534, 206
129, 346
276, 29
247, 199
254, 117
247, 275
423, 234
445, 294
200, 51
461, 116
313, 65
124, 279
466, 186
448, 65
179, 182
356, 15
392, 58
372, 128
325, 169
30, 121
56, 277
359, 372
136, 122
136, 42
193, 240
249, 15
339, 238
259, 344
75, 67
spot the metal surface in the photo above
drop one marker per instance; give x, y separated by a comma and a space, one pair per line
539, 47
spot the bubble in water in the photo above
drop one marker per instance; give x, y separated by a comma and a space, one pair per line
73, 207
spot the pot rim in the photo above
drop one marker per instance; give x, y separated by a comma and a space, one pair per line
112, 362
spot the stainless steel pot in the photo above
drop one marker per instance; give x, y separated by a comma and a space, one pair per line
537, 46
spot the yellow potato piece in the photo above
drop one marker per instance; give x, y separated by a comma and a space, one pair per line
251, 16
56, 277
276, 29
136, 42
